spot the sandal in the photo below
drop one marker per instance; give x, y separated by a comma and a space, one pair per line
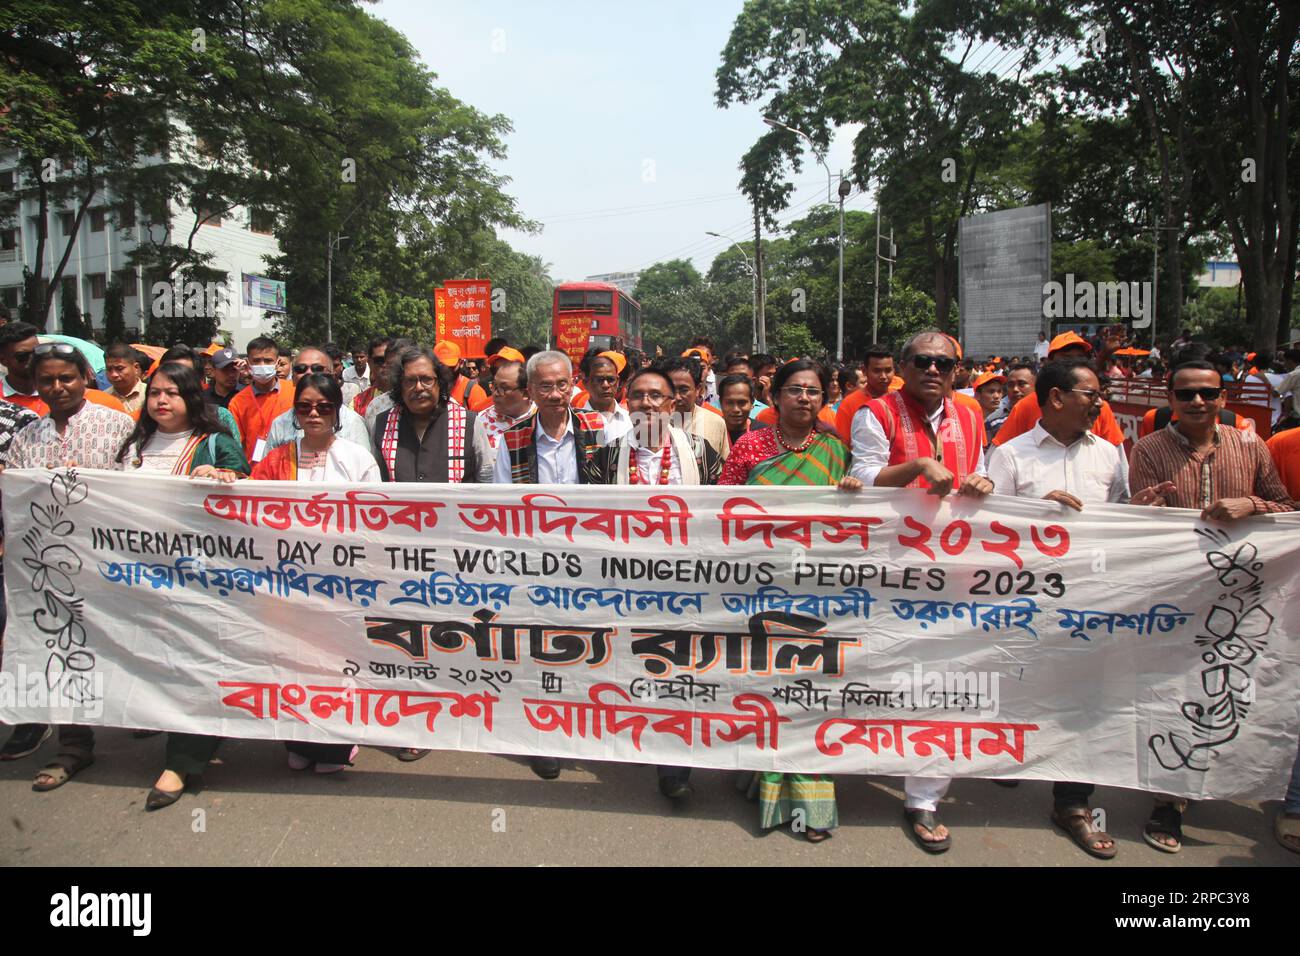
816, 836
1077, 823
411, 754
1166, 820
63, 768
1287, 828
928, 820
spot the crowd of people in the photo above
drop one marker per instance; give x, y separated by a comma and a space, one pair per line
921, 417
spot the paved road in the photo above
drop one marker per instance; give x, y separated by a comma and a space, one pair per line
476, 809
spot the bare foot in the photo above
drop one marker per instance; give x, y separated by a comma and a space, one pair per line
170, 782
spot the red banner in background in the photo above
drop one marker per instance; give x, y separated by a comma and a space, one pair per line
572, 332
463, 314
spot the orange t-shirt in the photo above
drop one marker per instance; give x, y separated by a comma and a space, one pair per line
1285, 449
254, 413
1027, 413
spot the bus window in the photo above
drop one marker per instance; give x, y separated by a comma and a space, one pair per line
571, 300
601, 303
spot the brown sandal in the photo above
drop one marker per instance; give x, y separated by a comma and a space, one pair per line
63, 768
1077, 823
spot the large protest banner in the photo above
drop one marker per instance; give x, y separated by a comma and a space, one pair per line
728, 627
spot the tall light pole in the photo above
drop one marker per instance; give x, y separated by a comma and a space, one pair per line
753, 274
844, 191
329, 285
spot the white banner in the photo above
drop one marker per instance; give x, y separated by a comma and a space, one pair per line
731, 627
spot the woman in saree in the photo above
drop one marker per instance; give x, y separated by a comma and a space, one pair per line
794, 451
178, 433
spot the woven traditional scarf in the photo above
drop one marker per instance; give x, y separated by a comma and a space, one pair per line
455, 442
949, 447
182, 466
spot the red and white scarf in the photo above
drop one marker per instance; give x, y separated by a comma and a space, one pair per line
455, 442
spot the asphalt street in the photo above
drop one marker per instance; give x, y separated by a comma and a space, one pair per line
466, 809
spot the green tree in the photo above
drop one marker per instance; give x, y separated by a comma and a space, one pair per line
114, 313
71, 321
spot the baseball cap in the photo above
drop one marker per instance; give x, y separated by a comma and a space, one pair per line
448, 353
618, 358
507, 354
700, 351
987, 377
223, 357
1065, 340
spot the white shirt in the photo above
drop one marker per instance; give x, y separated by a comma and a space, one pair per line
488, 426
871, 444
1033, 464
161, 452
557, 458
617, 423
1040, 351
350, 375
345, 461
650, 464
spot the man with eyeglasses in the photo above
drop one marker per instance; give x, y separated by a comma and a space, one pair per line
378, 374
1223, 472
918, 437
510, 404
552, 446
600, 375
687, 376
285, 428
263, 401
76, 433
1061, 460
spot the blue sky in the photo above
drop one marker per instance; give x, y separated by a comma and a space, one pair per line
617, 148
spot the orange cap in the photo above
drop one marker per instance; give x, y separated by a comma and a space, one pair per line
705, 355
987, 377
1065, 340
618, 358
448, 353
955, 344
506, 354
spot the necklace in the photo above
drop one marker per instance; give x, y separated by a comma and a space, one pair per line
634, 471
802, 447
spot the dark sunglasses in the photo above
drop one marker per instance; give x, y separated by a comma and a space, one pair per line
323, 409
316, 369
943, 363
1187, 394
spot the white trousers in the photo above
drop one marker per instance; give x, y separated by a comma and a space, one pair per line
924, 793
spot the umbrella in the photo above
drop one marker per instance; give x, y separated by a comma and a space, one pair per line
155, 352
93, 353
1132, 351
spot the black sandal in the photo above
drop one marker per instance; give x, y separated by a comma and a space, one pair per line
63, 768
930, 821
1166, 819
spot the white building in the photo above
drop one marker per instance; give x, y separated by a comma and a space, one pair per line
1220, 274
625, 281
241, 242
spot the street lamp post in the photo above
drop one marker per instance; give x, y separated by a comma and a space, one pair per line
753, 274
329, 285
844, 190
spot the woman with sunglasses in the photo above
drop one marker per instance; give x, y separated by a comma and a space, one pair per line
179, 433
794, 452
318, 455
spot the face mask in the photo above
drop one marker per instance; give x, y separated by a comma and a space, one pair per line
262, 372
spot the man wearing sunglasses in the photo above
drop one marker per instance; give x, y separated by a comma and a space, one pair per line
1226, 474
918, 437
17, 343
285, 428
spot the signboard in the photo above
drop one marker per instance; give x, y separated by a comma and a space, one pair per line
263, 293
572, 334
759, 628
463, 314
1005, 259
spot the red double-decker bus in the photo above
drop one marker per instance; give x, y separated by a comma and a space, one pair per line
612, 315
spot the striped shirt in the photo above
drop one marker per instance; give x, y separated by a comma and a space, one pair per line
1237, 465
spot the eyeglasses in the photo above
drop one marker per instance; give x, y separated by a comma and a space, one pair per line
546, 388
61, 349
424, 382
943, 363
1092, 394
1187, 394
653, 398
323, 409
22, 358
314, 369
502, 389
797, 391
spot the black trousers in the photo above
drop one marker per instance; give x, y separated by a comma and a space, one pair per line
1072, 794
319, 753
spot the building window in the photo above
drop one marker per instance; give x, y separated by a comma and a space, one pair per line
261, 220
97, 219
8, 245
126, 279
208, 216
6, 180
126, 217
68, 220
97, 285
9, 296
